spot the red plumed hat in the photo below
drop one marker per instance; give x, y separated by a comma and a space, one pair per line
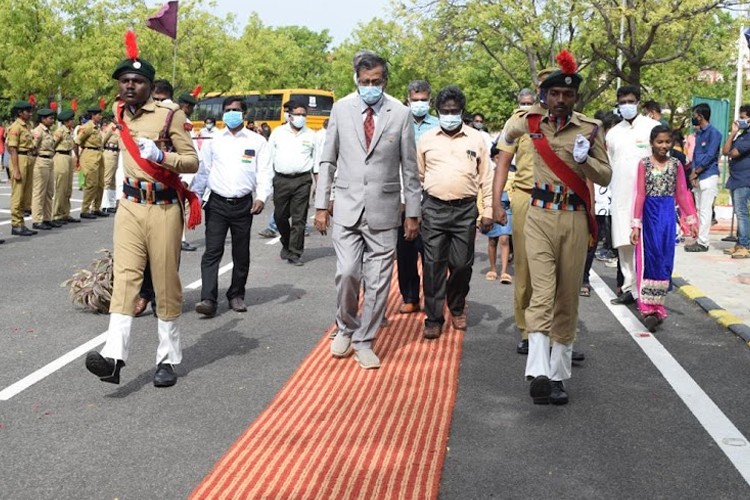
196, 91
53, 106
32, 100
567, 75
74, 104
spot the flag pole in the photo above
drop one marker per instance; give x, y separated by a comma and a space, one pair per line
174, 62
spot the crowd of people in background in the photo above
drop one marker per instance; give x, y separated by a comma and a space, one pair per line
552, 191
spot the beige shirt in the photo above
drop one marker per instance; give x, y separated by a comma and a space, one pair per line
455, 167
43, 141
64, 138
596, 167
523, 149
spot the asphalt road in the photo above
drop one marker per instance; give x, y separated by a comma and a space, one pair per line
626, 433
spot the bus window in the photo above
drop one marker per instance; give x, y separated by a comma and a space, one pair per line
317, 105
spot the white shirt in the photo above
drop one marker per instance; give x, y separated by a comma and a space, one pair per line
627, 144
235, 165
292, 151
320, 142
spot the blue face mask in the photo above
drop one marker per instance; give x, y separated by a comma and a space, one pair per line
370, 95
299, 121
419, 108
232, 119
450, 122
743, 124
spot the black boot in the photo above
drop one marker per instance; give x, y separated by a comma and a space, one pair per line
107, 369
540, 389
558, 396
165, 375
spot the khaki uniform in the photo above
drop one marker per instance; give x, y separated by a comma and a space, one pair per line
44, 182
111, 153
151, 232
92, 165
63, 173
556, 240
520, 198
21, 138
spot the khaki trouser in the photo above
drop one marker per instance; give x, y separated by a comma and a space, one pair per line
110, 168
63, 174
44, 190
519, 207
556, 243
21, 190
147, 233
92, 166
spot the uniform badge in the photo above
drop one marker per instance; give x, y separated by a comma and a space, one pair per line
568, 80
137, 65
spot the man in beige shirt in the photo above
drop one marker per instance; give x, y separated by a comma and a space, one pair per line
453, 167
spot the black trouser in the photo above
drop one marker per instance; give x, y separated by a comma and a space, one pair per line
147, 287
605, 236
224, 214
291, 199
407, 256
448, 233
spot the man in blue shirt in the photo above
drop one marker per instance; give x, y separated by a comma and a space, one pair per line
407, 251
737, 147
705, 176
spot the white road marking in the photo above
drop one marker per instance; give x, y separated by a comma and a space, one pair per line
79, 351
273, 241
726, 435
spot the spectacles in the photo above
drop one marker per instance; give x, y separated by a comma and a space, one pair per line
371, 83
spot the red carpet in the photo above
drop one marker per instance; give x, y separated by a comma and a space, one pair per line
338, 431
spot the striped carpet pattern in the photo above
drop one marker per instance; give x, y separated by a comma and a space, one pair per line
338, 431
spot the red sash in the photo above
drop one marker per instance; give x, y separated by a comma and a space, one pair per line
563, 172
159, 173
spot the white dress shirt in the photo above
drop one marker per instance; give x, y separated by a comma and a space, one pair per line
292, 151
320, 142
235, 165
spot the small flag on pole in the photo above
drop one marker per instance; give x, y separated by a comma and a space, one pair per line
165, 21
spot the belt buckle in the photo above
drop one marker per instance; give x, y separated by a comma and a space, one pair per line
150, 196
561, 197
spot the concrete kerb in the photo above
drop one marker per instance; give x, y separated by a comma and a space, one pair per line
722, 316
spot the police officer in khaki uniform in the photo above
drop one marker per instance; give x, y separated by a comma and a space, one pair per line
111, 154
44, 182
63, 168
568, 145
149, 220
91, 161
20, 144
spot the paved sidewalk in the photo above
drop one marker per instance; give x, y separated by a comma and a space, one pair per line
722, 279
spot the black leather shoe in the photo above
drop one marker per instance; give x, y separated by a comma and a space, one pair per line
540, 390
26, 213
624, 299
99, 213
110, 210
238, 304
61, 221
165, 375
22, 231
2, 241
43, 226
187, 247
53, 223
206, 307
558, 396
72, 219
87, 215
107, 369
578, 355
295, 261
523, 347
651, 322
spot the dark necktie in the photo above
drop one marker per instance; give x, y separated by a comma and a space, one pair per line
369, 127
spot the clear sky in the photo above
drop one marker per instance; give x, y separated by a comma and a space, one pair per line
339, 16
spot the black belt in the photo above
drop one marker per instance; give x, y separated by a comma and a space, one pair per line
111, 148
566, 197
231, 201
25, 153
292, 176
63, 152
44, 156
454, 203
164, 197
93, 149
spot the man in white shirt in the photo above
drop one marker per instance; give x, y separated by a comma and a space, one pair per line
234, 164
627, 143
292, 147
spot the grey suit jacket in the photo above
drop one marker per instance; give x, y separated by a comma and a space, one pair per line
369, 180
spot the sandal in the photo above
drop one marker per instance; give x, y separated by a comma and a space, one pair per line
491, 276
585, 291
506, 279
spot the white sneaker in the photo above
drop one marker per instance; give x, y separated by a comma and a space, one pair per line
341, 346
367, 359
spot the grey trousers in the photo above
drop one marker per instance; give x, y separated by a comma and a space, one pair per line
364, 258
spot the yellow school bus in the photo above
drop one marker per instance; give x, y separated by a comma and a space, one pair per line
267, 107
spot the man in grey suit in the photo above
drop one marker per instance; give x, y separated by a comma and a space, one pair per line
370, 146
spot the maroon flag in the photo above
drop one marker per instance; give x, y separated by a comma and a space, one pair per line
165, 21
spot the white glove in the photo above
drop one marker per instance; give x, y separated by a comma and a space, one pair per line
580, 149
149, 150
